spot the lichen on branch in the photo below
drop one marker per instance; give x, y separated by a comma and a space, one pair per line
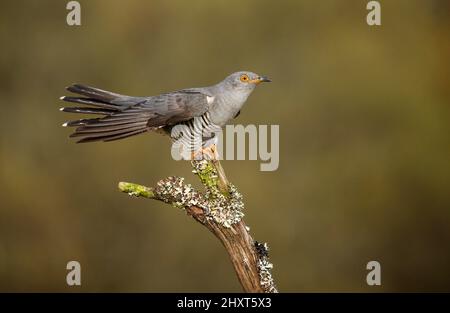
265, 267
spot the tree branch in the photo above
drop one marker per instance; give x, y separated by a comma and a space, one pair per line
218, 208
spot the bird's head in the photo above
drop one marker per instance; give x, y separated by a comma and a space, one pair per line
244, 81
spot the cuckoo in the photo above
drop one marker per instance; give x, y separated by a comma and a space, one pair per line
183, 115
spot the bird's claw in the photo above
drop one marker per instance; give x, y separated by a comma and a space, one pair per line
208, 153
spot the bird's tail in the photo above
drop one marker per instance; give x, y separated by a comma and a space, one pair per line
115, 123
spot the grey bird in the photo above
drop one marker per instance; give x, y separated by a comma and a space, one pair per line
196, 109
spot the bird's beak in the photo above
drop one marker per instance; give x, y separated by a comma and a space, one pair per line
265, 79
260, 79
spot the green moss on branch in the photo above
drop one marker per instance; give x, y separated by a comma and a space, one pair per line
136, 190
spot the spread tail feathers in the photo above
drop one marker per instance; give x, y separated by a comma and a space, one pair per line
114, 124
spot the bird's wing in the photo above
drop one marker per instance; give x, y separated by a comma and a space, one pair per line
125, 116
172, 108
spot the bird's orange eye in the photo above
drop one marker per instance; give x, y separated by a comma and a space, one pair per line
244, 78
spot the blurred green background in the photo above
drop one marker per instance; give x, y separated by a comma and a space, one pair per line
364, 150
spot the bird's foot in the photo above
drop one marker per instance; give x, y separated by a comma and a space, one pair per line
207, 153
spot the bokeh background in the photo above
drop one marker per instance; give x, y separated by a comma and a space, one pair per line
364, 150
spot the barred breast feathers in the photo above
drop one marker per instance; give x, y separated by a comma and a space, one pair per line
195, 132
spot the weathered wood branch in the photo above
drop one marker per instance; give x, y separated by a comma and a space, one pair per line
218, 208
